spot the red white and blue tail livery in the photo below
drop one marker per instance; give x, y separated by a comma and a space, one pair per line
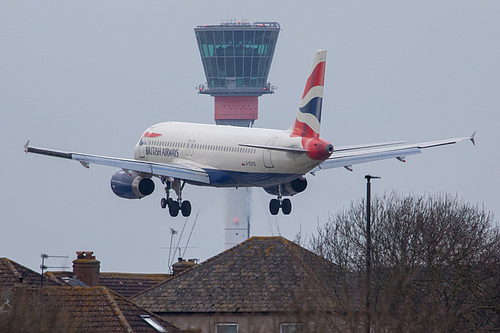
225, 156
308, 120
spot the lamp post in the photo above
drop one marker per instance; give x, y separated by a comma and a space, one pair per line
368, 249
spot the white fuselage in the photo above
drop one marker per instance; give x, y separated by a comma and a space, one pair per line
217, 149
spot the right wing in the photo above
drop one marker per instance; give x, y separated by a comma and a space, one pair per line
181, 171
349, 155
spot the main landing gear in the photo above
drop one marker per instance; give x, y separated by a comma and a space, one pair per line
276, 204
174, 206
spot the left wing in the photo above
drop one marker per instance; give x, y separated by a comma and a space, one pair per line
181, 171
347, 156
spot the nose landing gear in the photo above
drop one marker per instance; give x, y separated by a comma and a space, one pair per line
276, 204
174, 206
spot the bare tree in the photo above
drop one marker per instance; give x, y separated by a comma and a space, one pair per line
435, 263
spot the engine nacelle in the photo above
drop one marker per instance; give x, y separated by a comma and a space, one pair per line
132, 186
295, 186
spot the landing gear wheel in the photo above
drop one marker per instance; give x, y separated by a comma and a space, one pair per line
173, 208
163, 203
186, 208
286, 206
274, 206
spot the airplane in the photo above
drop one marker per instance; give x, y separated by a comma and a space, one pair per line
180, 153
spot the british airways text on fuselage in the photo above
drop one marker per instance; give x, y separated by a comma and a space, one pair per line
156, 151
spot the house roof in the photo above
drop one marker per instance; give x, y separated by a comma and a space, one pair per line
128, 284
12, 273
125, 284
95, 309
262, 274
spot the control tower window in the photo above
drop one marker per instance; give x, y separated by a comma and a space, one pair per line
237, 56
238, 43
220, 45
248, 42
230, 67
229, 42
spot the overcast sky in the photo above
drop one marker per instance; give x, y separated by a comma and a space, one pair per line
91, 76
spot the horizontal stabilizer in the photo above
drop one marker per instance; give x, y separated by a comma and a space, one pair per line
285, 149
372, 145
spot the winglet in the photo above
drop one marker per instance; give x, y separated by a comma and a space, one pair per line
473, 139
26, 146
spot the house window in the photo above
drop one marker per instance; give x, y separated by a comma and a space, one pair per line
227, 328
290, 328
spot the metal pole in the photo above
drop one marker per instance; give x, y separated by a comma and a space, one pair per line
368, 250
43, 255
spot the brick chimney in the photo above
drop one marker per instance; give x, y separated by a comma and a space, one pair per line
86, 268
182, 265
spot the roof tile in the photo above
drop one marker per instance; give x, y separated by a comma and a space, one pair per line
95, 309
11, 273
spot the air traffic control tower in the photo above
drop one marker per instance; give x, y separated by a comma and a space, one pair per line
236, 58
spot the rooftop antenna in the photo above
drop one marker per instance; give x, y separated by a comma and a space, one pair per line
189, 238
172, 233
171, 253
43, 267
179, 241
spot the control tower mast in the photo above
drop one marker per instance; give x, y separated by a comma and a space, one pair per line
236, 58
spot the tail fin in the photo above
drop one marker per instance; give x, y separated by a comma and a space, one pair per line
308, 119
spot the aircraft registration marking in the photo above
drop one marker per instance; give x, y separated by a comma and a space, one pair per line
248, 163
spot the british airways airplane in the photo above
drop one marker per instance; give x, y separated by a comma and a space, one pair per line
225, 156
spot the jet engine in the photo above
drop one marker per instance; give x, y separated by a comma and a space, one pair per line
295, 186
132, 186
